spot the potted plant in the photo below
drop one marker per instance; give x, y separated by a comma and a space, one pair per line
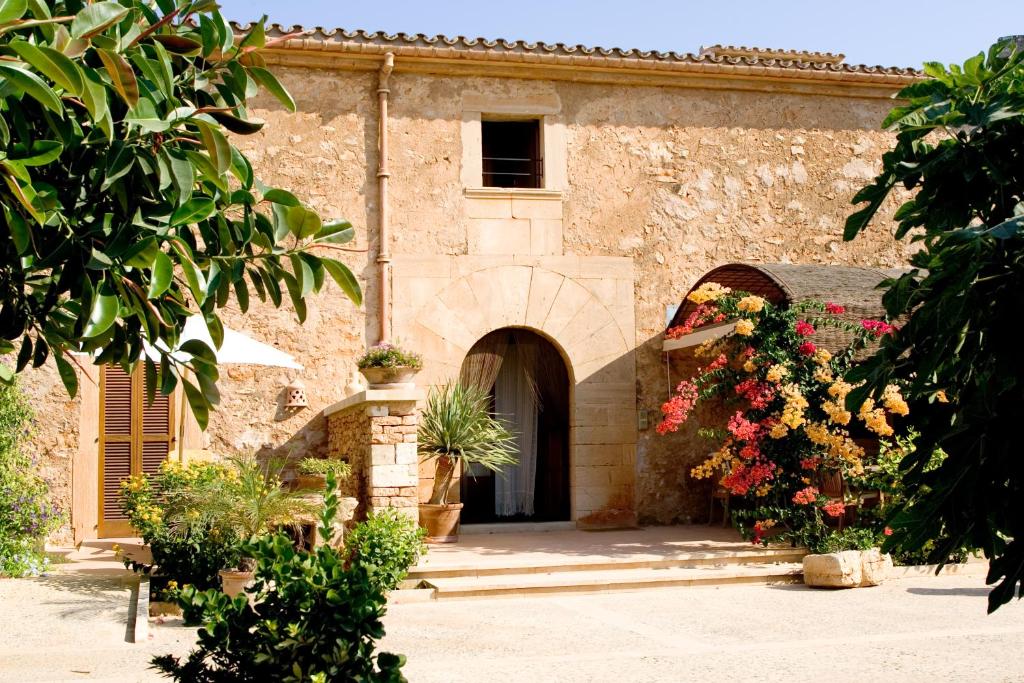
386, 364
457, 428
248, 503
313, 473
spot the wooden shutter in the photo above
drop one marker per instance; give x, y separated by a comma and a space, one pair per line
134, 437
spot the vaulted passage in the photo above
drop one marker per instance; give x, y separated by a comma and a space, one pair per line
529, 387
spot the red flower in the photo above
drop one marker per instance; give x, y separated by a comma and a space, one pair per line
804, 328
742, 428
807, 348
878, 328
810, 463
887, 531
834, 509
718, 363
834, 309
806, 496
677, 409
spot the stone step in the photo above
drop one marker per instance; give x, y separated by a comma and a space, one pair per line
614, 579
428, 570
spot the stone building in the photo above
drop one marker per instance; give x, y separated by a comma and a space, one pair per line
563, 197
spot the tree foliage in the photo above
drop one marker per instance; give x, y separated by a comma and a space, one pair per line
124, 206
960, 149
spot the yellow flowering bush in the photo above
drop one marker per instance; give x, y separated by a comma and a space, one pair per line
191, 556
709, 291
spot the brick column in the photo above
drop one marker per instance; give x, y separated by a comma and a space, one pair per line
375, 430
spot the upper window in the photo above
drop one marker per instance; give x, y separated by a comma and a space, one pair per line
512, 154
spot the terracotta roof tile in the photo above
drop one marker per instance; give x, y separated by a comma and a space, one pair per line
716, 58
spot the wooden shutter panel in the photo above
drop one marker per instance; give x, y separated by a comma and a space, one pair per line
135, 437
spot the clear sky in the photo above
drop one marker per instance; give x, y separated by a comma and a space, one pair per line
887, 32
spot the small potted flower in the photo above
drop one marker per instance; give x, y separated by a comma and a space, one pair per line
313, 472
385, 364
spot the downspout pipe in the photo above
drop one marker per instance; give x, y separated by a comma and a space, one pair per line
383, 175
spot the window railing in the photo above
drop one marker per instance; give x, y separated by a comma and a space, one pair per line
513, 172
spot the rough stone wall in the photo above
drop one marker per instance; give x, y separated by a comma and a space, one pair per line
378, 439
680, 180
54, 440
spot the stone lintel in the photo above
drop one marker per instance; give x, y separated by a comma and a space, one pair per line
373, 396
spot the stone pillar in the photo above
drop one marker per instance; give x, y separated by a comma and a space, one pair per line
375, 430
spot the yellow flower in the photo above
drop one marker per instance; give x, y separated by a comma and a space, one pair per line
874, 418
839, 390
777, 373
749, 366
744, 327
709, 291
822, 356
793, 411
823, 375
778, 430
893, 401
751, 304
941, 397
172, 584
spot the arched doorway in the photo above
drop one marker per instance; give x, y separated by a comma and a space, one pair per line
529, 386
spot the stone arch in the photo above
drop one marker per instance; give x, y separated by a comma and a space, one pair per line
560, 308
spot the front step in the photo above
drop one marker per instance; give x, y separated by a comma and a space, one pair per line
613, 579
692, 559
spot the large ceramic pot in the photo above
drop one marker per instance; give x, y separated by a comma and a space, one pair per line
309, 482
441, 522
382, 378
234, 582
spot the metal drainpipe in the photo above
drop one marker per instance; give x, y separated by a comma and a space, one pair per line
384, 233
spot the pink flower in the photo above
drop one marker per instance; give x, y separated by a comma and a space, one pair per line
742, 428
804, 328
678, 408
878, 328
834, 509
834, 309
887, 531
806, 496
807, 348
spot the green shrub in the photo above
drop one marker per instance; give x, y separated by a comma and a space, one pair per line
386, 544
188, 555
340, 468
26, 515
308, 617
852, 538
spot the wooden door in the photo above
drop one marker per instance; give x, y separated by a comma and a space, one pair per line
134, 437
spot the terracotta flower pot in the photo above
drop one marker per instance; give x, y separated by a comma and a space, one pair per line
310, 482
441, 522
382, 378
234, 582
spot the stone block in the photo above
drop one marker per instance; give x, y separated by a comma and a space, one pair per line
498, 236
382, 454
405, 454
392, 476
387, 420
847, 569
546, 236
549, 208
377, 411
489, 207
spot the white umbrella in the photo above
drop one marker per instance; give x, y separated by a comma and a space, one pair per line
237, 348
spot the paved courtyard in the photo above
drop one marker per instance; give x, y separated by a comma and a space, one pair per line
71, 627
921, 629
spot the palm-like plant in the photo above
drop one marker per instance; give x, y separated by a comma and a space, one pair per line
247, 503
457, 426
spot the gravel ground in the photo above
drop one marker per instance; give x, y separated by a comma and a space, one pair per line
72, 628
921, 629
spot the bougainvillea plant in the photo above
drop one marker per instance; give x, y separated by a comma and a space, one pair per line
788, 425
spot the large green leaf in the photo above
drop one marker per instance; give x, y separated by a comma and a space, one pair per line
122, 76
104, 313
270, 82
97, 18
193, 211
302, 222
51, 64
161, 276
30, 84
341, 274
11, 10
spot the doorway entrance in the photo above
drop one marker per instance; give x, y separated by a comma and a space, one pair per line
528, 383
135, 437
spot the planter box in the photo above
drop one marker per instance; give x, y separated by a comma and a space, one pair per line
848, 569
